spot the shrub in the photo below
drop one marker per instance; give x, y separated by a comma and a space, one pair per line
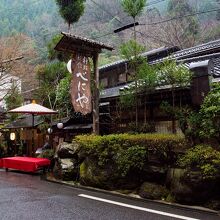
132, 158
204, 158
127, 151
47, 154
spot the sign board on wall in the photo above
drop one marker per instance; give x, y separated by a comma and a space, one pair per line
80, 84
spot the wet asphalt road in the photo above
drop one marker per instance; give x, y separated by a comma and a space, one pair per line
27, 197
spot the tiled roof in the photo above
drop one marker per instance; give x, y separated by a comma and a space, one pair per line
215, 58
197, 50
25, 122
190, 57
145, 54
70, 41
210, 50
216, 62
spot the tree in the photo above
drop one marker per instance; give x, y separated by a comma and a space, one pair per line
210, 114
15, 55
131, 51
13, 100
145, 74
64, 104
54, 54
71, 10
148, 77
183, 29
134, 8
175, 76
49, 77
176, 27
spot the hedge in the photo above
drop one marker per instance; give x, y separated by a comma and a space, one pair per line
150, 141
128, 151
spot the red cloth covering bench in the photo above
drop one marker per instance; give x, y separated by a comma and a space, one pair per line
28, 164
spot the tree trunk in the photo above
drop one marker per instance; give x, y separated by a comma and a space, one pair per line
135, 74
173, 116
145, 110
68, 27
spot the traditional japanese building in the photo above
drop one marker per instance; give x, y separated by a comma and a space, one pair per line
203, 60
111, 116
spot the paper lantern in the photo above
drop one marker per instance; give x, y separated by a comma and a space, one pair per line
60, 125
49, 130
12, 136
69, 66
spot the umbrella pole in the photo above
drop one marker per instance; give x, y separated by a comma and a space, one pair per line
32, 144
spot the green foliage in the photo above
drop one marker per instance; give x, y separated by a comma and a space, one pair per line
189, 120
204, 158
54, 54
70, 10
148, 76
167, 108
131, 51
49, 154
127, 98
13, 100
40, 22
145, 76
174, 75
153, 191
133, 7
132, 158
64, 104
49, 77
210, 114
127, 151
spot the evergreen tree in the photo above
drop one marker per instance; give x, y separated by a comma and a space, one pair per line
71, 10
134, 8
13, 100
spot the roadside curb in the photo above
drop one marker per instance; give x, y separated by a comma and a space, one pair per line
194, 208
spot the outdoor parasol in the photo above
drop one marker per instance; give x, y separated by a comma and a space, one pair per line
33, 109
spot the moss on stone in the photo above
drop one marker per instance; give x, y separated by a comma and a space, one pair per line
153, 191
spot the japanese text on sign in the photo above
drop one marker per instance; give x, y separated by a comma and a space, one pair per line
80, 86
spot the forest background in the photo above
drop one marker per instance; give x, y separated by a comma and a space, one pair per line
28, 26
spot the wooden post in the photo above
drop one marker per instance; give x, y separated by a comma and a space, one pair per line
96, 95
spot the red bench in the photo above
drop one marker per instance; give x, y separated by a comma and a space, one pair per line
28, 164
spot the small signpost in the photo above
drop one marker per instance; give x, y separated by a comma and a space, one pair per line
82, 49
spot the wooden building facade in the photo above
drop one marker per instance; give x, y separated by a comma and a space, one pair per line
204, 62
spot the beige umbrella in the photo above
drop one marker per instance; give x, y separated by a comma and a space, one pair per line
33, 109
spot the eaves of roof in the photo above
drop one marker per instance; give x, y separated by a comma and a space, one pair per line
145, 54
202, 51
198, 50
